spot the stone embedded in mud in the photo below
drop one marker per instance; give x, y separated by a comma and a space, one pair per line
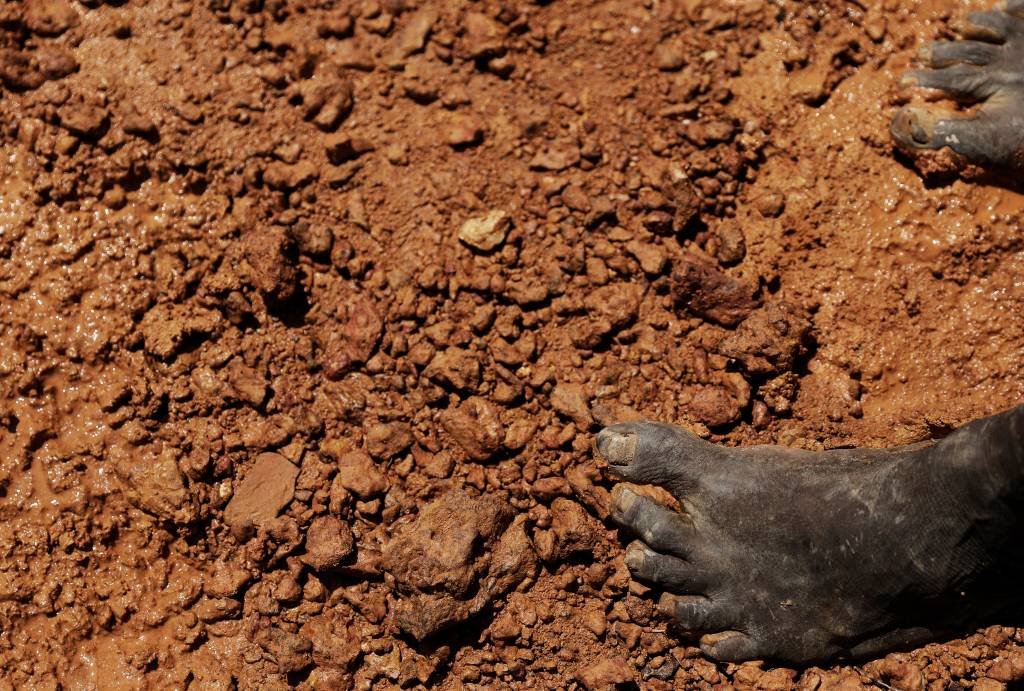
711, 293
355, 341
669, 56
454, 367
154, 483
50, 17
573, 530
617, 303
557, 156
606, 674
385, 440
572, 401
358, 474
476, 426
264, 491
329, 542
18, 71
413, 36
289, 176
271, 255
84, 119
166, 328
714, 406
327, 100
769, 340
486, 233
453, 559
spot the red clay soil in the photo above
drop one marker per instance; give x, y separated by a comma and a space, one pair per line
311, 308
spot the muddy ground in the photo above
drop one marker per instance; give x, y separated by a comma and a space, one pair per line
311, 308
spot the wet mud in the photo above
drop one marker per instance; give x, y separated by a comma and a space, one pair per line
310, 311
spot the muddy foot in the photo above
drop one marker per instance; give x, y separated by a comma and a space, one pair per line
988, 68
804, 557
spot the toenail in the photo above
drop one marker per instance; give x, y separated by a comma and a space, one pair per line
635, 556
667, 604
624, 499
908, 80
617, 449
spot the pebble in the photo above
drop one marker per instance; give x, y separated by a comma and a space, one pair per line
464, 131
608, 673
557, 156
329, 542
488, 232
413, 37
571, 400
50, 17
454, 367
668, 56
386, 440
476, 427
358, 474
265, 490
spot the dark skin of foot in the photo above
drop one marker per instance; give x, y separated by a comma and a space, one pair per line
806, 557
985, 68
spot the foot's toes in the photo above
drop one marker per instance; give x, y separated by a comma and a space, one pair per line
661, 528
960, 81
992, 26
986, 138
664, 571
652, 453
945, 53
698, 614
730, 646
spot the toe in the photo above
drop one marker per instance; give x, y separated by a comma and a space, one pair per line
697, 614
661, 528
945, 53
664, 570
994, 26
988, 138
960, 81
651, 453
730, 646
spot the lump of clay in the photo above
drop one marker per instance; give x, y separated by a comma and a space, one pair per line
769, 340
263, 492
711, 293
456, 556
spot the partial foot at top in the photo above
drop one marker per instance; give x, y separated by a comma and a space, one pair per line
988, 68
804, 557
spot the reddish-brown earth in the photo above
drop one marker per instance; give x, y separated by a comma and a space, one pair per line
310, 309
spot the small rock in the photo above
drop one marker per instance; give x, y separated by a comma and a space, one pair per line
571, 400
668, 56
327, 101
732, 246
484, 37
557, 156
618, 303
476, 427
358, 474
488, 232
387, 440
714, 406
342, 148
265, 490
55, 62
463, 131
18, 71
413, 36
355, 341
605, 675
768, 341
50, 17
652, 259
454, 367
573, 530
84, 119
713, 294
284, 176
770, 204
329, 542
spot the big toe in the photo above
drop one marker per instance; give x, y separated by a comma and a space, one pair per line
654, 453
991, 137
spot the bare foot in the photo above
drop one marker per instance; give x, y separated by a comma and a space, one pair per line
805, 557
987, 68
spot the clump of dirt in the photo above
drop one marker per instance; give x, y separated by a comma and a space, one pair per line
312, 308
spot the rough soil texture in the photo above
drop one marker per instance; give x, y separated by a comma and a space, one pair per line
311, 307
